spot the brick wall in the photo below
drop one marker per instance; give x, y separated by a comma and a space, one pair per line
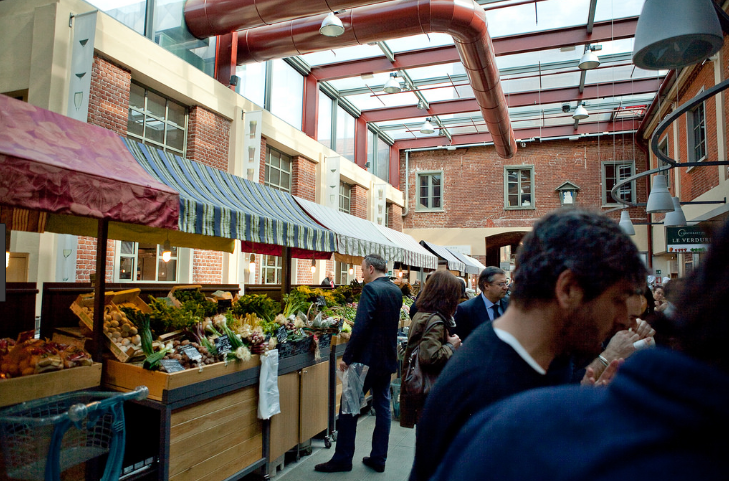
358, 205
473, 191
208, 138
303, 272
109, 96
86, 259
394, 214
303, 178
698, 180
207, 267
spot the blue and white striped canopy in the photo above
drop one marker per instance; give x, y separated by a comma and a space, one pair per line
215, 203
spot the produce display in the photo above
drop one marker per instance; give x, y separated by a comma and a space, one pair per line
27, 355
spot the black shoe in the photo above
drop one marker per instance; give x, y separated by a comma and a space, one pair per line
367, 461
331, 467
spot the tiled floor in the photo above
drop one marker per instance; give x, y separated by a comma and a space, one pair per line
399, 457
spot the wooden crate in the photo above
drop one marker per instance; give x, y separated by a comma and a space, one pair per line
171, 295
130, 298
36, 386
216, 438
87, 300
125, 377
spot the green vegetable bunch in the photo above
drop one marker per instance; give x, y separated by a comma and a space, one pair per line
167, 318
258, 304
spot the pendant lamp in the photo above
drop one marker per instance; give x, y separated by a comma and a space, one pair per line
677, 217
392, 86
331, 26
626, 224
166, 251
589, 60
676, 33
427, 127
580, 113
659, 200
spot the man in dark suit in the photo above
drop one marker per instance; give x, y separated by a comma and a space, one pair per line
373, 343
474, 312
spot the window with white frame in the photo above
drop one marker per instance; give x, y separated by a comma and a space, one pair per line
519, 187
345, 198
342, 276
612, 173
271, 270
143, 262
278, 170
697, 133
156, 120
430, 191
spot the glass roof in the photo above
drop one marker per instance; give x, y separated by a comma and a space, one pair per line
446, 86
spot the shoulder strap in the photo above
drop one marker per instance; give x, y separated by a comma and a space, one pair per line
429, 324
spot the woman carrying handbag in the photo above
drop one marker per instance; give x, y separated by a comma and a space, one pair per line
430, 343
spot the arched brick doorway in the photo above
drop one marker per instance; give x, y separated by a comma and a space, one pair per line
497, 241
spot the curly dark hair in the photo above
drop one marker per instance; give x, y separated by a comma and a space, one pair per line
591, 245
440, 294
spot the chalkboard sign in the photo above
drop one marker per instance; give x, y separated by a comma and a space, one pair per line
321, 302
171, 365
191, 352
281, 334
222, 344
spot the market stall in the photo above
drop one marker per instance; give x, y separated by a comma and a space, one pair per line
447, 258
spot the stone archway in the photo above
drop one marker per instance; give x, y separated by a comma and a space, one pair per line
497, 241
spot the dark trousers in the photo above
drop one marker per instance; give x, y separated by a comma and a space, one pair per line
379, 383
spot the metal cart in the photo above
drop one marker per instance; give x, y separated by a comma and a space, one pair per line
42, 438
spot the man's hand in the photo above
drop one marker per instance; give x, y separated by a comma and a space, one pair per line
605, 378
454, 340
343, 365
621, 345
643, 329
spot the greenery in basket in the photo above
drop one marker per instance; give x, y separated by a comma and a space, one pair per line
195, 302
167, 318
258, 304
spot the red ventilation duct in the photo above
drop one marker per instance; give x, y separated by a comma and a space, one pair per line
464, 20
206, 18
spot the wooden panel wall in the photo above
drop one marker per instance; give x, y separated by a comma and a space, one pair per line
285, 426
314, 400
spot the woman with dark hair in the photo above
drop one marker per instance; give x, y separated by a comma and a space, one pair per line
430, 332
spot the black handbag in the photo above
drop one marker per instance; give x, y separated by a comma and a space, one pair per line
415, 383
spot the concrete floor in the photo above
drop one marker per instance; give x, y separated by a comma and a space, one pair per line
399, 458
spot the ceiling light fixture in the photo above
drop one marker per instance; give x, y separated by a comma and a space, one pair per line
580, 113
166, 251
659, 200
313, 266
676, 33
392, 86
331, 26
589, 60
427, 127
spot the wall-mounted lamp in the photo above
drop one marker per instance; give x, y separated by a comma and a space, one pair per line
427, 127
166, 251
392, 86
567, 193
580, 113
313, 266
677, 217
659, 200
331, 26
252, 263
351, 270
589, 60
676, 33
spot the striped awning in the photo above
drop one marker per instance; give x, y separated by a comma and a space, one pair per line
453, 263
469, 262
215, 203
355, 237
415, 254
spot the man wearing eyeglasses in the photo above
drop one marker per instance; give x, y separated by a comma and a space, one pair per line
487, 306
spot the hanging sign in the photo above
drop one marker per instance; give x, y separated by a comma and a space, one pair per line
687, 240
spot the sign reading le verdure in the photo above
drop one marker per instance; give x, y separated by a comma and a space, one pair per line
687, 239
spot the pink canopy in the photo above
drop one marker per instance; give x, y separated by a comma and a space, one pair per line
52, 163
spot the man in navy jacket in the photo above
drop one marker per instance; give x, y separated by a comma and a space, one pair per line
474, 312
373, 343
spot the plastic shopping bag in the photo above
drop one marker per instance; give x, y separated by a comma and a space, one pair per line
268, 400
353, 396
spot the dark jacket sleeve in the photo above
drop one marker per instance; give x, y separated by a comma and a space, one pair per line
363, 324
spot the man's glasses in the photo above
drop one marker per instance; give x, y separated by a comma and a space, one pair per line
500, 284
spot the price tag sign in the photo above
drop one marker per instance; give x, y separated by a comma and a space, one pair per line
321, 302
191, 352
281, 334
171, 365
222, 344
